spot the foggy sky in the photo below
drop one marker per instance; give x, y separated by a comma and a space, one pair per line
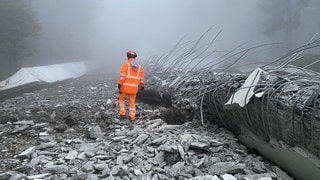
154, 26
103, 30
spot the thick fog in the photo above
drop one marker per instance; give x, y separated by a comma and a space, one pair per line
103, 30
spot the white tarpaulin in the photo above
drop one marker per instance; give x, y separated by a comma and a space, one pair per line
48, 74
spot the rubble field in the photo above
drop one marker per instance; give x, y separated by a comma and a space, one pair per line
72, 131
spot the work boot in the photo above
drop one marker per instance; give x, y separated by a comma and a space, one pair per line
132, 119
122, 116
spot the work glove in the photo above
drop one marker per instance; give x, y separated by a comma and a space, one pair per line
119, 87
141, 88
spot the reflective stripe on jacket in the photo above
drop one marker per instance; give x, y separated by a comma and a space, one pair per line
130, 78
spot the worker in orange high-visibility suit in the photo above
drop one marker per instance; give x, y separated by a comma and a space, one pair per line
131, 79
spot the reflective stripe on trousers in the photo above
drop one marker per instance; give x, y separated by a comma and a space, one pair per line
132, 104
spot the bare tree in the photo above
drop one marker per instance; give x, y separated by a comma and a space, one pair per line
282, 17
18, 26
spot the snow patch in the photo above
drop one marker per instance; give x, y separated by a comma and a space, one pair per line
48, 74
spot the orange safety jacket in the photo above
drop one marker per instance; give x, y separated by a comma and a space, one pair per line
131, 78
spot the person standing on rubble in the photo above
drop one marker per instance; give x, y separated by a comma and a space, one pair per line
130, 81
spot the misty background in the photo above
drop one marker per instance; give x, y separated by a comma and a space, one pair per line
44, 32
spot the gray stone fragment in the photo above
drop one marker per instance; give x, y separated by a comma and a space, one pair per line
120, 160
265, 178
176, 169
88, 167
46, 139
5, 175
155, 177
46, 145
214, 142
95, 132
103, 157
135, 132
228, 177
82, 175
115, 170
259, 167
62, 176
166, 127
53, 115
158, 141
208, 161
186, 140
216, 149
159, 170
172, 158
181, 151
205, 177
71, 155
27, 153
43, 134
35, 161
127, 159
106, 172
89, 147
162, 176
100, 167
189, 170
199, 163
158, 159
118, 138
140, 139
18, 176
24, 122
56, 169
89, 153
120, 132
19, 128
150, 149
148, 167
200, 145
82, 156
39, 125
166, 148
137, 172
39, 176
120, 170
154, 124
226, 167
197, 172
92, 177
101, 152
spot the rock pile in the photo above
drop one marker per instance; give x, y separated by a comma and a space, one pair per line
72, 131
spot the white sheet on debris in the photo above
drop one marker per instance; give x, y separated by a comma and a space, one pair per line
48, 74
243, 95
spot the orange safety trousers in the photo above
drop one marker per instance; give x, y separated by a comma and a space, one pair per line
132, 105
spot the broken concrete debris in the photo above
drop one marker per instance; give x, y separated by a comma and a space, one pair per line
100, 146
269, 104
